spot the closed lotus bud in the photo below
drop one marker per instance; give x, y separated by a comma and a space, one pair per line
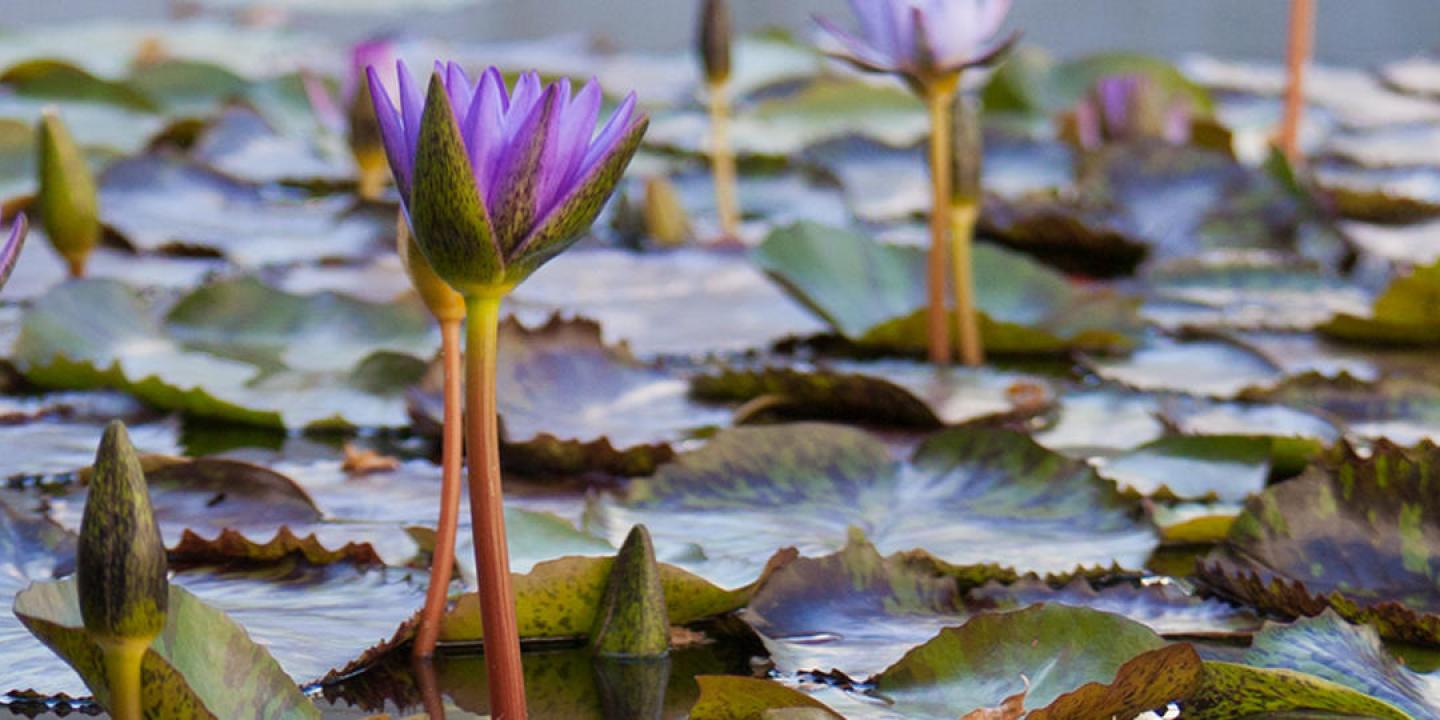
120, 562
442, 300
714, 40
69, 204
665, 218
632, 620
967, 149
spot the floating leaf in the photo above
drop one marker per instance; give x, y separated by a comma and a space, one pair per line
1034, 83
32, 549
1404, 410
1163, 607
1203, 368
1048, 653
1350, 533
740, 698
561, 384
235, 351
872, 292
1407, 313
1194, 468
969, 496
202, 665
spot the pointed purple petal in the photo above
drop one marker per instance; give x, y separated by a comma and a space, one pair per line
616, 128
458, 87
512, 196
11, 252
483, 129
397, 148
856, 49
412, 104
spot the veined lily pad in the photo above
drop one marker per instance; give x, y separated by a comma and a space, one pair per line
1164, 607
560, 386
231, 351
31, 549
969, 496
739, 698
1350, 534
224, 675
873, 294
1048, 654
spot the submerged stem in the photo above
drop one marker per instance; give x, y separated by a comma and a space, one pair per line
122, 670
487, 511
939, 97
452, 446
722, 158
1302, 37
963, 216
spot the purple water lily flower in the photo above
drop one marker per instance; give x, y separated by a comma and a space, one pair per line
11, 251
497, 181
332, 111
923, 40
1129, 107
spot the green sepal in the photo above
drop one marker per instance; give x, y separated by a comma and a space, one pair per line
632, 621
69, 202
577, 213
452, 228
120, 562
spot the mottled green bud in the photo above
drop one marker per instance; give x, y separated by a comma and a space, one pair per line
967, 149
632, 620
120, 562
442, 300
714, 40
69, 203
665, 218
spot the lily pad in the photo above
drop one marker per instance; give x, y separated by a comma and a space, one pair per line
739, 698
1164, 607
1248, 293
873, 294
230, 351
1048, 654
31, 549
226, 675
161, 203
1194, 467
1406, 314
560, 384
1403, 410
1349, 534
1203, 368
968, 496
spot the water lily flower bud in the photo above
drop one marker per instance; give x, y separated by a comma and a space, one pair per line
120, 562
364, 136
69, 203
714, 40
496, 181
665, 218
632, 620
1130, 107
442, 300
923, 41
11, 251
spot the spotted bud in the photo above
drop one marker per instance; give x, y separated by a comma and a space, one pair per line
69, 204
120, 562
633, 620
714, 40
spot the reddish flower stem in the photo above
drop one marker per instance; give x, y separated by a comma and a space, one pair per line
452, 447
1302, 39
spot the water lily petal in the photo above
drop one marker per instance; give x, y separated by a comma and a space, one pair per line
11, 252
512, 198
392, 132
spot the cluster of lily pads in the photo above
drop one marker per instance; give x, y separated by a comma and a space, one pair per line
1194, 475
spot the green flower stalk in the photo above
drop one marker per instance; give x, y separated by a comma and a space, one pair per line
928, 44
496, 181
714, 40
69, 202
966, 198
121, 569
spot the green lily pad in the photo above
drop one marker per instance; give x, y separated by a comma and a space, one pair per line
243, 144
968, 496
1246, 293
1047, 653
1194, 468
873, 294
1100, 422
739, 698
202, 665
560, 385
1406, 314
1349, 534
165, 204
1163, 607
40, 269
56, 80
730, 306
47, 450
235, 350
854, 611
31, 549
1203, 368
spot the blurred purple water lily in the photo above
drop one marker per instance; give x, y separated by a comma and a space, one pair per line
1129, 107
332, 111
497, 181
923, 40
11, 251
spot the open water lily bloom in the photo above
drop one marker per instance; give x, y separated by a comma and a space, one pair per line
497, 180
922, 40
